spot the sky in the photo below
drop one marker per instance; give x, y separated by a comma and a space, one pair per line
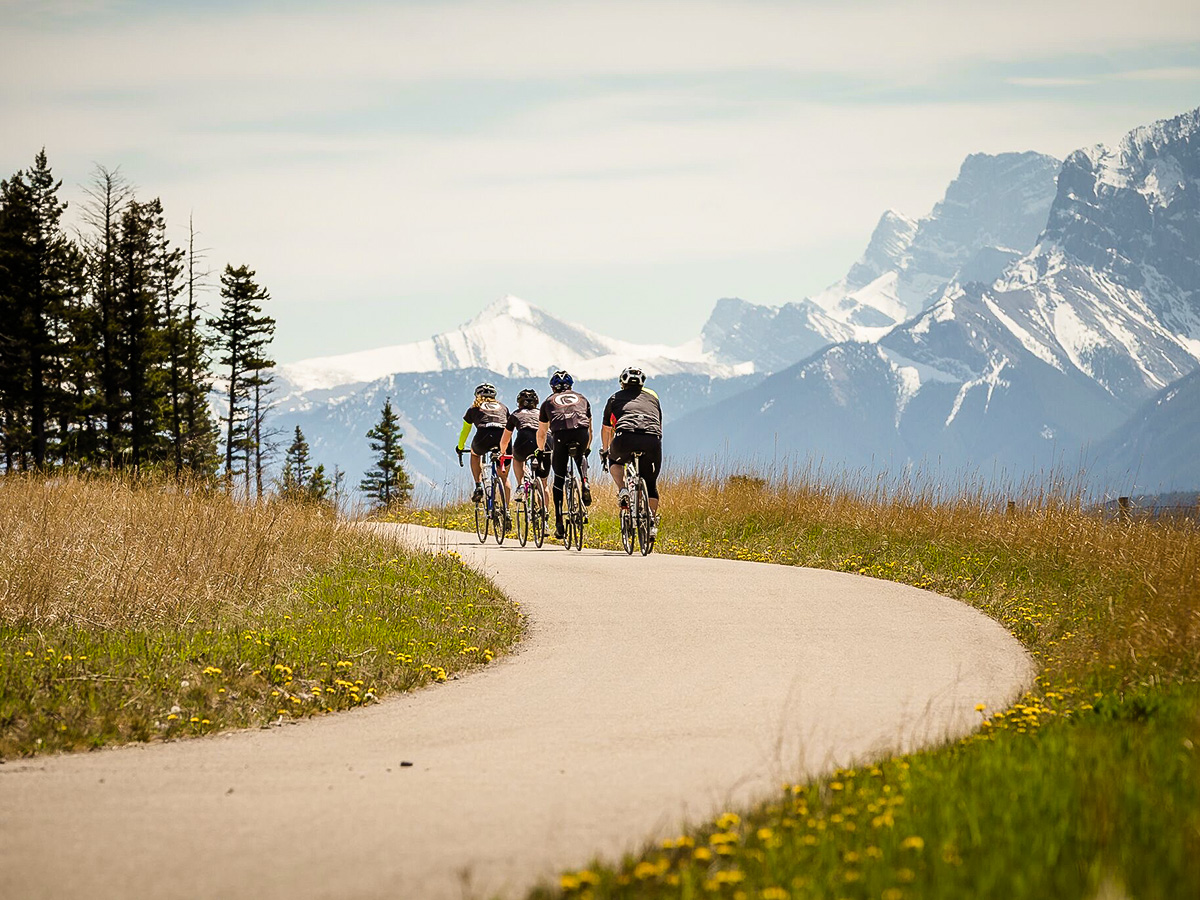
389, 169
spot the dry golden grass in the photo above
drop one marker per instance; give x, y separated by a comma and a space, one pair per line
108, 552
145, 611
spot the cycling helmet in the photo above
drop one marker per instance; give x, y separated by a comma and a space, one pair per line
486, 390
561, 381
633, 376
527, 399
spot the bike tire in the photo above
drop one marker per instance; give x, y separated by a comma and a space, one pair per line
569, 501
628, 536
499, 513
579, 514
644, 518
537, 510
482, 516
523, 521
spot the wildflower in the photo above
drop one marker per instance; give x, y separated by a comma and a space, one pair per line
703, 854
913, 843
980, 707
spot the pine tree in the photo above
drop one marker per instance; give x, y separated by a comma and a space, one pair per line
243, 334
387, 482
296, 468
107, 197
39, 276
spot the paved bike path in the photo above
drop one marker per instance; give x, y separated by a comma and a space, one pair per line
648, 693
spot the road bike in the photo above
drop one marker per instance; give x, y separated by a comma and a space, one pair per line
533, 516
491, 513
637, 519
574, 514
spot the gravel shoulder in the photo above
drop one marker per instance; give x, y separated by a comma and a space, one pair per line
649, 693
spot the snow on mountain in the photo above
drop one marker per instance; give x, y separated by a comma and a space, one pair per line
514, 338
991, 214
1015, 371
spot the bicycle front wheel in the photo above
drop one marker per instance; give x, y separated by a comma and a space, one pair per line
644, 518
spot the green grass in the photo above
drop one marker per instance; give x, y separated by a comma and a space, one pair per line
371, 624
1089, 786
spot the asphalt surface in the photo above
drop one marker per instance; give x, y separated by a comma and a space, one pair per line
649, 693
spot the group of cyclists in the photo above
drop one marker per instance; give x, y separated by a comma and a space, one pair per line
546, 436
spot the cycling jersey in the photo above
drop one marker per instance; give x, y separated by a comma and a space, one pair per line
489, 412
522, 418
566, 409
634, 410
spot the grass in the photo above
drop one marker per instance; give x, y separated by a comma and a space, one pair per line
1089, 786
133, 612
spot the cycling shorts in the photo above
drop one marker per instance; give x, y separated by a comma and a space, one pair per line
626, 443
487, 438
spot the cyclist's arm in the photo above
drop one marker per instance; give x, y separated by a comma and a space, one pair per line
543, 428
606, 436
504, 441
463, 435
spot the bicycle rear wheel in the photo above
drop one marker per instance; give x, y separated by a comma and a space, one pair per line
481, 520
499, 512
523, 520
628, 535
537, 514
644, 518
580, 515
569, 502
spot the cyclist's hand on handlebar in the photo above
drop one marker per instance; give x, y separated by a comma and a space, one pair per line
604, 458
459, 451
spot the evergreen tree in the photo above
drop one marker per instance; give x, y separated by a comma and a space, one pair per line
108, 195
39, 277
296, 468
243, 334
387, 482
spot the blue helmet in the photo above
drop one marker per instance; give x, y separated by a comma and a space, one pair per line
561, 381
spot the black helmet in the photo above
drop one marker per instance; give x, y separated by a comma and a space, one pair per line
486, 390
527, 399
561, 381
633, 376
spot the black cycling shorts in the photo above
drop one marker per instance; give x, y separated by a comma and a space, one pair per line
626, 443
524, 445
487, 438
563, 440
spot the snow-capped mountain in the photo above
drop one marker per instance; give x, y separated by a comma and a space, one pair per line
991, 214
1051, 356
514, 338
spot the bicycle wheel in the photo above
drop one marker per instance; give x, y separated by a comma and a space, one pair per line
499, 512
644, 518
577, 514
537, 514
481, 520
523, 519
569, 501
627, 530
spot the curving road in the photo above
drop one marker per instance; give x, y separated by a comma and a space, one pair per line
649, 693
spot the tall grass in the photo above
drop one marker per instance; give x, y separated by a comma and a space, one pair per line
134, 610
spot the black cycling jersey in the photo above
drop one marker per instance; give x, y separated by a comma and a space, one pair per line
489, 412
522, 418
566, 409
634, 410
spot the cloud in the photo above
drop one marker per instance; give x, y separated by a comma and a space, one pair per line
1050, 82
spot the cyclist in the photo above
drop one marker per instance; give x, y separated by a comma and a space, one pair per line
632, 423
567, 416
489, 416
521, 432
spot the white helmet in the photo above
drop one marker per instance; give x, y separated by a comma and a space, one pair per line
633, 376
